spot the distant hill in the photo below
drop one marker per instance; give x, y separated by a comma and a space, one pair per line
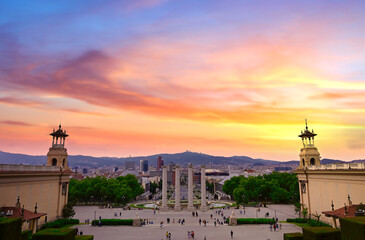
178, 158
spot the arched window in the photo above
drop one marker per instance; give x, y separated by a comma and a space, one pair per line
54, 162
63, 162
313, 161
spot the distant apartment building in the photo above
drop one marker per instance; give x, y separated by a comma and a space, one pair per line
159, 163
143, 165
130, 165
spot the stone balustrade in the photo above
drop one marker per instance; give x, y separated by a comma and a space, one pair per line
28, 168
338, 166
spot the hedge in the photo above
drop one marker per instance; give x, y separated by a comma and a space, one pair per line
26, 235
255, 221
310, 222
55, 234
353, 228
84, 237
293, 236
321, 233
297, 220
60, 223
10, 228
113, 222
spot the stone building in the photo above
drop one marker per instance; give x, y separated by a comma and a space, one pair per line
42, 188
324, 187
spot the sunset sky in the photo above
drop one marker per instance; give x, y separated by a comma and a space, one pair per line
145, 77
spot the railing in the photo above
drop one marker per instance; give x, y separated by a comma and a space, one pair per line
338, 166
28, 168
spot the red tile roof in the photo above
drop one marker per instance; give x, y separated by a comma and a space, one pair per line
17, 213
341, 212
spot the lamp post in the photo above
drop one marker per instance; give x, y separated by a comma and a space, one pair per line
123, 200
243, 197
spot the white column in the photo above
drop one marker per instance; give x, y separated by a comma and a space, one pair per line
203, 190
190, 188
164, 189
177, 189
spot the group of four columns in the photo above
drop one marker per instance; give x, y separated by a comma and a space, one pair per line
177, 207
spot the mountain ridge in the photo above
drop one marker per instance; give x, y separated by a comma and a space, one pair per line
182, 158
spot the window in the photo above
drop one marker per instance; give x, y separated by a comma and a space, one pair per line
54, 162
63, 162
64, 188
313, 161
303, 162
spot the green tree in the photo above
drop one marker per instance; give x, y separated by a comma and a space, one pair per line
231, 184
153, 187
68, 211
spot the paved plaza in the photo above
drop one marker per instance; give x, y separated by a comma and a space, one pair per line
178, 231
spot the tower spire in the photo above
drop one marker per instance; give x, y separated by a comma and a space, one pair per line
309, 153
306, 124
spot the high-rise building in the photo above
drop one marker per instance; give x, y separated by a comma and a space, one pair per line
129, 165
143, 165
159, 163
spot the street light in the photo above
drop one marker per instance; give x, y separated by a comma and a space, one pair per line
243, 197
123, 200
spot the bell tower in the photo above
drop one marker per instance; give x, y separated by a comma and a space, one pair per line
309, 154
57, 154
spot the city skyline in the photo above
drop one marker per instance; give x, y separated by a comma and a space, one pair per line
155, 76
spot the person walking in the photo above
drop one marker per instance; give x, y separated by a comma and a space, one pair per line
231, 234
167, 235
192, 234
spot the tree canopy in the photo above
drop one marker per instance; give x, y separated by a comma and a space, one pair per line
275, 187
101, 189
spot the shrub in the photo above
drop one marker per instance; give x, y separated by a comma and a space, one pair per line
297, 220
321, 233
10, 228
353, 228
55, 234
314, 223
84, 237
113, 222
26, 235
255, 221
60, 223
293, 236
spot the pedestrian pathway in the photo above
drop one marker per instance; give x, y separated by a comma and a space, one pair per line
155, 231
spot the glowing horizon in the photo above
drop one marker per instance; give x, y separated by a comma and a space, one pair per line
156, 76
